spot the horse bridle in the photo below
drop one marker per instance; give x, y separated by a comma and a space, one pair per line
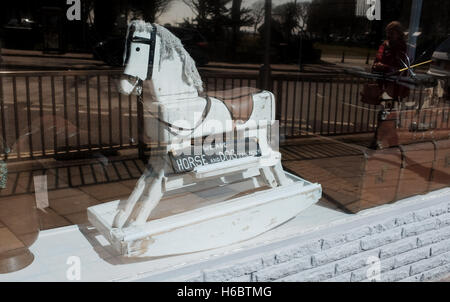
151, 58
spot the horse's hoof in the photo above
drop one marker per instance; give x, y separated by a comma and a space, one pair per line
119, 220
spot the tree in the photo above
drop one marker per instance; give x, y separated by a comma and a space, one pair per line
257, 13
107, 12
303, 15
288, 16
214, 17
239, 17
211, 16
150, 10
335, 17
220, 22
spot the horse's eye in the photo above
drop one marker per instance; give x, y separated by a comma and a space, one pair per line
138, 49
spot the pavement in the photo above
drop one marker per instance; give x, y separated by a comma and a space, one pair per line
12, 59
70, 187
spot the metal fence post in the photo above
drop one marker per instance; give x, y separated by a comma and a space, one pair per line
265, 71
279, 100
140, 127
265, 81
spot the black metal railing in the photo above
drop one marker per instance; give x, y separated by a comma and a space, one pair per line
330, 104
322, 105
61, 113
51, 113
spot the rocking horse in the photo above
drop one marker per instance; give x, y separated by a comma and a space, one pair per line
205, 195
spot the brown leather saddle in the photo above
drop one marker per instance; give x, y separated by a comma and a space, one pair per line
239, 101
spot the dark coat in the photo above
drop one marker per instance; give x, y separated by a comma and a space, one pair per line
389, 57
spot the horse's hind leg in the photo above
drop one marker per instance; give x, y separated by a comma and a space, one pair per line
280, 175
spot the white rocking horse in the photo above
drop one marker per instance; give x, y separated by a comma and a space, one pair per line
261, 196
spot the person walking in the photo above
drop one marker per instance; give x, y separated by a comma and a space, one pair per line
390, 58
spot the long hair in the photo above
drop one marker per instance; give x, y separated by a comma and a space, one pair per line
397, 27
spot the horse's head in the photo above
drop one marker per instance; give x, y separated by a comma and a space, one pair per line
138, 56
144, 57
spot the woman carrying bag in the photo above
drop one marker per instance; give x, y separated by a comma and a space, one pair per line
390, 57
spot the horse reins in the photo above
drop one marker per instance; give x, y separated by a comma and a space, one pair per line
171, 126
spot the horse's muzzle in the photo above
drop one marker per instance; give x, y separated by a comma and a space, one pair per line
129, 85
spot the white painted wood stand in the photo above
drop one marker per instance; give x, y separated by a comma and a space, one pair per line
209, 227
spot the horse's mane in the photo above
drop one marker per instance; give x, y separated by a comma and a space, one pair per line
169, 44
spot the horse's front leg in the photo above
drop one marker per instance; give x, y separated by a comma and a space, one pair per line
145, 197
151, 197
126, 208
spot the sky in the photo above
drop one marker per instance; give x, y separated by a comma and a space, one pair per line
178, 10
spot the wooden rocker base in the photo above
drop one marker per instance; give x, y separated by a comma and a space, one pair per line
209, 224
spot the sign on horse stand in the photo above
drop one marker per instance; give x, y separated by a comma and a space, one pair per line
218, 181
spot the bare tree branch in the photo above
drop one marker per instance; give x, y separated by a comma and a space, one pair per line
257, 12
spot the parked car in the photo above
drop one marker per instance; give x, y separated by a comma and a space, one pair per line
441, 66
21, 34
111, 50
441, 60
